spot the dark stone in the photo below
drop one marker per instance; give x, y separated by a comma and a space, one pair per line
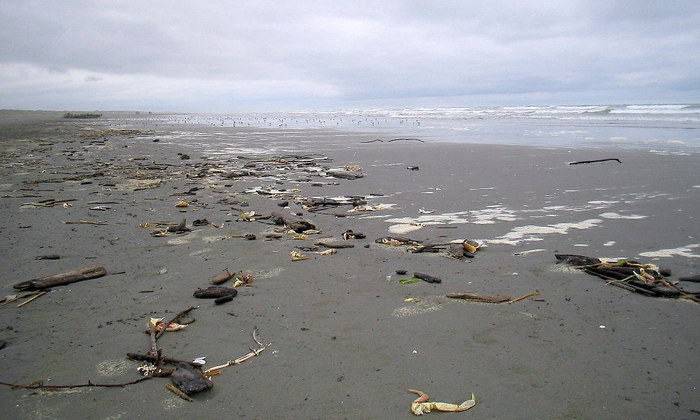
190, 380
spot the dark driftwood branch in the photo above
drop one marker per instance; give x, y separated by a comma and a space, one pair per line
153, 359
594, 161
60, 279
40, 384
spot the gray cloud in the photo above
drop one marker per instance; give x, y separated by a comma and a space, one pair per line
220, 55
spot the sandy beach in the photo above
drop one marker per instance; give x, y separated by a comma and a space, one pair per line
343, 336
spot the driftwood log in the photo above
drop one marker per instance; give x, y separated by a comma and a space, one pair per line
60, 279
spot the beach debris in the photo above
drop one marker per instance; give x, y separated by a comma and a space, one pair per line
223, 299
248, 216
173, 320
189, 379
595, 161
48, 257
50, 202
473, 297
646, 279
12, 298
253, 353
222, 277
177, 392
374, 207
328, 252
345, 174
427, 277
84, 222
423, 211
422, 404
413, 168
214, 292
462, 251
179, 229
298, 256
396, 241
152, 225
295, 224
518, 299
31, 299
470, 245
63, 278
158, 324
171, 228
349, 234
695, 278
334, 245
182, 204
244, 279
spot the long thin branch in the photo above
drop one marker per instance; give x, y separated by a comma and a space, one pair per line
40, 384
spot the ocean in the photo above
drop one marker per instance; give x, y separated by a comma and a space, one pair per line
658, 128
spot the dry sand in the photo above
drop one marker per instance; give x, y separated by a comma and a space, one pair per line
343, 339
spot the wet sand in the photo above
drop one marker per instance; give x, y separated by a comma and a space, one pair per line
343, 339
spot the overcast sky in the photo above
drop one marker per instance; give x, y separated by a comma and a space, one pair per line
292, 55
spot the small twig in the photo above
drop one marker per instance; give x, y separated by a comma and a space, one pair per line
177, 392
18, 296
524, 297
176, 318
32, 298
